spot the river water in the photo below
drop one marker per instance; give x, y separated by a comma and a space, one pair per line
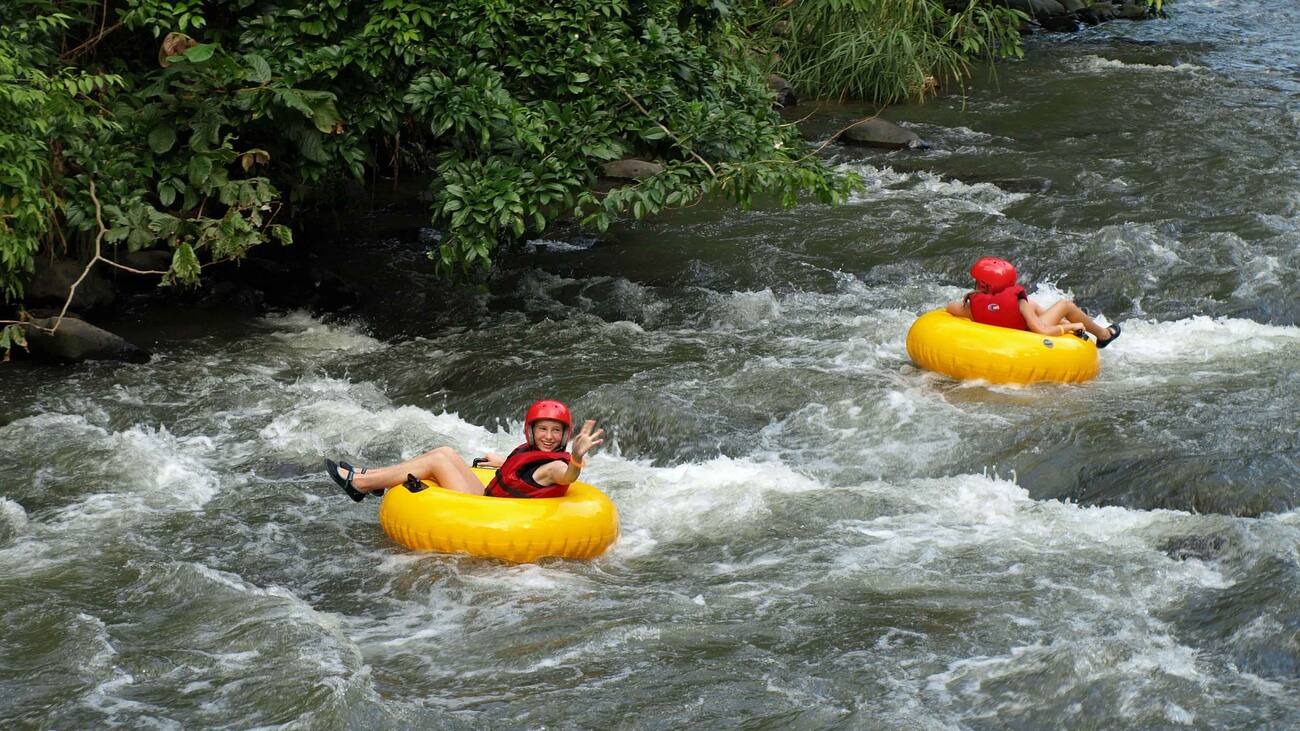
816, 534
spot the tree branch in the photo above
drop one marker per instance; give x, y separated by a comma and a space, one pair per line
92, 41
668, 131
99, 240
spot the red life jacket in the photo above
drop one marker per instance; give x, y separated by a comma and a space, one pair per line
509, 483
1001, 309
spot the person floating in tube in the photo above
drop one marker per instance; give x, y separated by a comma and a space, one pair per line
537, 468
998, 300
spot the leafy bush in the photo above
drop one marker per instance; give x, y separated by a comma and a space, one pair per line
199, 121
887, 50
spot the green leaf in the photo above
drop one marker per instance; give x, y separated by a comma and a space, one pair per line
166, 194
259, 69
282, 233
200, 53
185, 264
200, 170
311, 146
325, 115
162, 138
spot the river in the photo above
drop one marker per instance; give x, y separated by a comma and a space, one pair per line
815, 533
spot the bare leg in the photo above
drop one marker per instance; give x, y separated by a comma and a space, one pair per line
1067, 310
441, 465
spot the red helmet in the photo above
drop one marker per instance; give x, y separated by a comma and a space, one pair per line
995, 274
548, 409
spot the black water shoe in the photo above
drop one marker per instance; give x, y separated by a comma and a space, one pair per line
1114, 333
345, 482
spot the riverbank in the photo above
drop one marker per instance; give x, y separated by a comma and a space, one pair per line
317, 274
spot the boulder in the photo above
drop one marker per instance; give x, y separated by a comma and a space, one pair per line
877, 132
1135, 10
53, 279
1038, 8
332, 293
148, 260
1103, 11
76, 340
630, 169
1059, 23
1073, 6
785, 96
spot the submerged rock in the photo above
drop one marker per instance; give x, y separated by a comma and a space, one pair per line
1028, 184
76, 340
877, 132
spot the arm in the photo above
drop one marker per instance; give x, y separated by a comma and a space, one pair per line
959, 308
1038, 325
492, 460
560, 472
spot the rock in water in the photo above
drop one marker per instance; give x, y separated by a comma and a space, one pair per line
76, 340
1135, 10
53, 279
1038, 8
877, 132
630, 169
785, 96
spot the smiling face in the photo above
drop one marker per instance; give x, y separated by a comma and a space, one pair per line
547, 434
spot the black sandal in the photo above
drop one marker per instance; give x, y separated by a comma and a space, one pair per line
345, 482
1114, 333
377, 493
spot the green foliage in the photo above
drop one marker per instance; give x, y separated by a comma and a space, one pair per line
158, 142
887, 50
191, 118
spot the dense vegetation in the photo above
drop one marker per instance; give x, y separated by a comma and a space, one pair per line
196, 123
886, 50
205, 128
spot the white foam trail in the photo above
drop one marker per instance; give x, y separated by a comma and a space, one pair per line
1199, 340
687, 500
1097, 64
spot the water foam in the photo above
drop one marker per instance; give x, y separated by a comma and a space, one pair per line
13, 519
1200, 340
299, 330
559, 247
689, 500
943, 199
1098, 64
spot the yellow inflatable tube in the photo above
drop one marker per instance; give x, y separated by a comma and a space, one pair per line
582, 524
963, 349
